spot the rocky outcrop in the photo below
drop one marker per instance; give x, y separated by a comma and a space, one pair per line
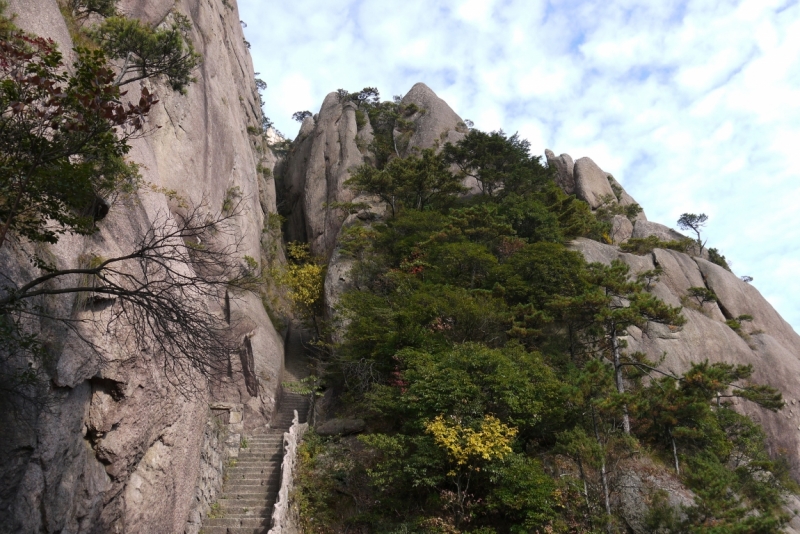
587, 181
120, 449
330, 145
591, 183
644, 229
768, 342
324, 153
621, 229
564, 166
435, 125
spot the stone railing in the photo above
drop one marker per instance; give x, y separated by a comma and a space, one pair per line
291, 439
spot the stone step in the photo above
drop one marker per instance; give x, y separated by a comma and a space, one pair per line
248, 494
251, 478
256, 460
252, 522
249, 486
250, 503
233, 530
246, 512
262, 472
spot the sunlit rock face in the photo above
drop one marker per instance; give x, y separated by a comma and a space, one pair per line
318, 168
120, 449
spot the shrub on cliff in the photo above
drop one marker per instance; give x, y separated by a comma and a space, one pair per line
470, 329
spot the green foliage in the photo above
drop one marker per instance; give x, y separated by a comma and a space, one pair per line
82, 9
300, 116
232, 198
645, 245
414, 182
497, 162
150, 52
490, 363
694, 222
714, 256
610, 207
701, 295
736, 323
57, 123
385, 118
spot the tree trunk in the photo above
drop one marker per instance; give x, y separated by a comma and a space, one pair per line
603, 474
626, 421
674, 452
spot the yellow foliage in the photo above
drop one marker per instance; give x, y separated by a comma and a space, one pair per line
303, 278
463, 444
305, 284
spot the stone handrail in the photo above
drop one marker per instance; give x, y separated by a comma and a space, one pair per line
291, 440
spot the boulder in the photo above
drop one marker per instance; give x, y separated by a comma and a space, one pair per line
591, 183
434, 125
621, 229
565, 177
643, 228
638, 483
341, 427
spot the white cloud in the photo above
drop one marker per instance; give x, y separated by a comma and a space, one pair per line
694, 105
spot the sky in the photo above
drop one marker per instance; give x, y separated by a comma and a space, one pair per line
694, 106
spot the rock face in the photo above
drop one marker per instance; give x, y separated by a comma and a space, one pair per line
769, 342
621, 229
120, 449
648, 228
587, 181
324, 154
565, 175
330, 145
591, 183
434, 126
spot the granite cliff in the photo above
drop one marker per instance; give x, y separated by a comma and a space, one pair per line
331, 144
118, 448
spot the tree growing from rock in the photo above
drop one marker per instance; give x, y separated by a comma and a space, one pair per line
146, 52
63, 139
497, 162
300, 116
414, 182
694, 222
614, 303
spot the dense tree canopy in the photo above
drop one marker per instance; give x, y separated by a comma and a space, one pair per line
491, 364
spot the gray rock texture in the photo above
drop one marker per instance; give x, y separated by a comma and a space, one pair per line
588, 182
638, 480
591, 183
324, 153
644, 228
330, 146
565, 176
434, 126
770, 344
621, 229
120, 449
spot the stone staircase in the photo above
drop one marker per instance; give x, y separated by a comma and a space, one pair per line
251, 486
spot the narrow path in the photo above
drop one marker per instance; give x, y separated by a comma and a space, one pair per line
252, 484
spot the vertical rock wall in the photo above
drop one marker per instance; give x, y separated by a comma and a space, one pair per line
119, 449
